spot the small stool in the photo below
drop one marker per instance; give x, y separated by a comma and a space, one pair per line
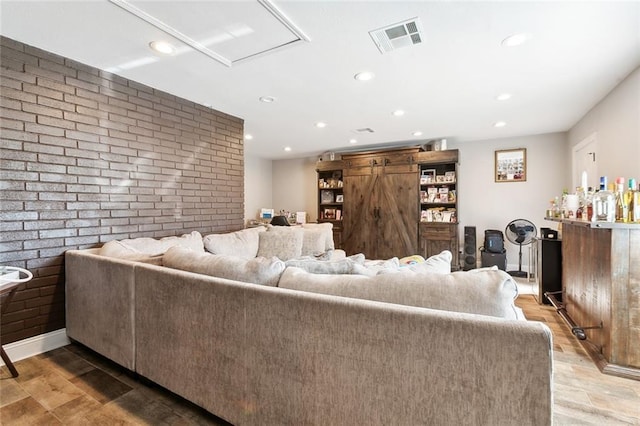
9, 282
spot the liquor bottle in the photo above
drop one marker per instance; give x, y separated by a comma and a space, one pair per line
619, 193
636, 205
628, 200
604, 204
557, 212
580, 192
622, 209
589, 203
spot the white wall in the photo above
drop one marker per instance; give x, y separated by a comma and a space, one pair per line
258, 186
482, 203
291, 184
616, 122
294, 186
485, 204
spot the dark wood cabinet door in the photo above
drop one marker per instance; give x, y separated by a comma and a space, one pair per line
381, 212
397, 215
436, 237
359, 221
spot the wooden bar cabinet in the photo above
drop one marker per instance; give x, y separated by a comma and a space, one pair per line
601, 278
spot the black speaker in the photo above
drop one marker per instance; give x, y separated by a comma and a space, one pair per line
469, 251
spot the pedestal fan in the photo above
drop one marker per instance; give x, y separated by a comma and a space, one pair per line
520, 232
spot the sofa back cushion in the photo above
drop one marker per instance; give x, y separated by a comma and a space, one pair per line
258, 270
243, 243
283, 242
150, 250
484, 292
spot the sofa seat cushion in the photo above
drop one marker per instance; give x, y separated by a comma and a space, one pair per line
489, 293
243, 243
150, 250
259, 270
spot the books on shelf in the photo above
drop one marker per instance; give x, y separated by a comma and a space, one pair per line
439, 214
438, 195
429, 177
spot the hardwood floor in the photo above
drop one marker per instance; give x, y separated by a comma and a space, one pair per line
74, 386
583, 395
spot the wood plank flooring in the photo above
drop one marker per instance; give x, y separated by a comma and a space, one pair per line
74, 386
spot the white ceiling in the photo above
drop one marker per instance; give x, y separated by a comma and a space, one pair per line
446, 85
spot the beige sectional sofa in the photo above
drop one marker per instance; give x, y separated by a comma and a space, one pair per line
401, 346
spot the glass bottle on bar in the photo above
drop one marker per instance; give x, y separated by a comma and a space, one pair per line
622, 209
604, 203
636, 205
589, 203
628, 200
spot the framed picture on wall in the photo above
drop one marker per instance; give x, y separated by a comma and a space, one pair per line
511, 165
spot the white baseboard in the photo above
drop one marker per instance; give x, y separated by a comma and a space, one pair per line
36, 345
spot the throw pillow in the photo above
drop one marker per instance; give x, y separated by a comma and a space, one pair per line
243, 243
119, 250
151, 246
258, 270
327, 229
284, 245
313, 242
343, 266
439, 264
374, 267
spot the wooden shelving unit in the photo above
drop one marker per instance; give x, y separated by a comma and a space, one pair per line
439, 203
331, 196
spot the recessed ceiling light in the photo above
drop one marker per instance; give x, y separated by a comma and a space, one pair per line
321, 124
287, 149
248, 136
353, 141
267, 99
398, 113
499, 124
364, 76
162, 47
516, 40
503, 96
417, 133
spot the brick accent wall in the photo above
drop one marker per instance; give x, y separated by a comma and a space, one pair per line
87, 157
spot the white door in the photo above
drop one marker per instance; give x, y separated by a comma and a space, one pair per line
585, 159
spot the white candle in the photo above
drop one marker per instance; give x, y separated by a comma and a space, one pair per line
584, 180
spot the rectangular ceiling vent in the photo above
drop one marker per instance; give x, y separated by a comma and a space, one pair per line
365, 130
396, 36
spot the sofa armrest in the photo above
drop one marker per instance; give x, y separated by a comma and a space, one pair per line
99, 297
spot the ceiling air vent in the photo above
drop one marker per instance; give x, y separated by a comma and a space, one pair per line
396, 36
365, 130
